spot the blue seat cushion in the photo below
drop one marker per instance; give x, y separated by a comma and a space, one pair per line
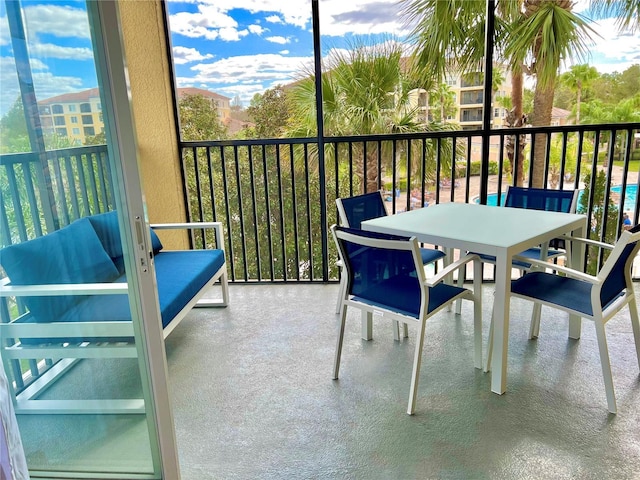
430, 255
179, 276
564, 291
73, 254
402, 295
534, 253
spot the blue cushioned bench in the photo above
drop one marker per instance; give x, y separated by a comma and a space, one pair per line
73, 283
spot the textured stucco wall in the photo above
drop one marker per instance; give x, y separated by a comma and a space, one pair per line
149, 77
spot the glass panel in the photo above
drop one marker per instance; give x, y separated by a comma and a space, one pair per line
79, 387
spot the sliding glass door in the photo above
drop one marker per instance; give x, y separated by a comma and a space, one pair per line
86, 364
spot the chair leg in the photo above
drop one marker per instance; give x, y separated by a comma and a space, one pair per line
487, 365
367, 326
396, 330
405, 330
534, 328
606, 366
417, 361
635, 325
336, 362
341, 290
462, 273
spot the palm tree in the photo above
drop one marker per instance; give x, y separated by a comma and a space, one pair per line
577, 79
531, 36
365, 90
443, 99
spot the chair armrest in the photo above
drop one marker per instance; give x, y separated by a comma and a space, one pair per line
450, 268
569, 272
50, 290
217, 226
587, 241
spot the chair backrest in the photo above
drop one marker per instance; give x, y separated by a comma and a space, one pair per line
377, 264
542, 199
355, 210
616, 271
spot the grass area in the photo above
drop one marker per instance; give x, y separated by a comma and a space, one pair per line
634, 165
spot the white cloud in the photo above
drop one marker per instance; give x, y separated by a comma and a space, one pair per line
273, 19
257, 29
262, 68
612, 50
361, 17
232, 34
46, 84
182, 55
5, 38
293, 12
277, 39
49, 50
284, 52
206, 23
58, 20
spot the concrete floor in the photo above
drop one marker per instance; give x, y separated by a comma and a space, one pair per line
253, 396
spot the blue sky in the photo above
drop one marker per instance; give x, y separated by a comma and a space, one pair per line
234, 47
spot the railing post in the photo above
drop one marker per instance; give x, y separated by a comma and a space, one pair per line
317, 55
486, 108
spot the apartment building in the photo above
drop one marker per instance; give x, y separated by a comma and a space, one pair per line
468, 91
222, 103
78, 115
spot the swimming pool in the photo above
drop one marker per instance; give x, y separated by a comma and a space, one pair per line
629, 197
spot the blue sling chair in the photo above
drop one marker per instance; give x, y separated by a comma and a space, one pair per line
355, 210
597, 298
385, 279
530, 198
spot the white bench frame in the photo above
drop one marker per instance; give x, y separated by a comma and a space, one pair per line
66, 356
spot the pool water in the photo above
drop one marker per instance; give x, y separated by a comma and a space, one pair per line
629, 197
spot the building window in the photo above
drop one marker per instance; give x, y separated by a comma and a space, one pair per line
61, 131
57, 109
74, 119
99, 106
89, 131
59, 120
75, 131
496, 112
85, 107
72, 108
87, 119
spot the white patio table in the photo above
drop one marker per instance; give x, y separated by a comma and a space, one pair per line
502, 232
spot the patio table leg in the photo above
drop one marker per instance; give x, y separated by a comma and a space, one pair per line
501, 324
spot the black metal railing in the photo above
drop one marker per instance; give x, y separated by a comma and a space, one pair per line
267, 191
39, 194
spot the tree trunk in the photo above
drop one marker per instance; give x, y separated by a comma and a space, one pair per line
578, 102
542, 106
515, 118
372, 173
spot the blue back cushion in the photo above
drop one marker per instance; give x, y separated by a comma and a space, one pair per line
616, 281
108, 230
363, 207
73, 254
540, 199
384, 276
